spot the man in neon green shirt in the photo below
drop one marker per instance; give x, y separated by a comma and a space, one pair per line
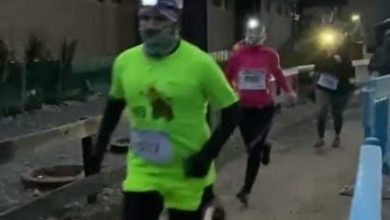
166, 83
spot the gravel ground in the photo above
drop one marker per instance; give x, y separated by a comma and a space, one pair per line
282, 192
12, 192
50, 116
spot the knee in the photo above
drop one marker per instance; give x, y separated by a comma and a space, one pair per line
337, 115
256, 151
322, 113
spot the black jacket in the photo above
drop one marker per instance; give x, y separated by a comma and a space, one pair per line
344, 71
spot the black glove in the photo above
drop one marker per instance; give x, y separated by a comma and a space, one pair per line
197, 166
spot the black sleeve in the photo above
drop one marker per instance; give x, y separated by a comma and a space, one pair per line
373, 65
111, 117
230, 117
348, 66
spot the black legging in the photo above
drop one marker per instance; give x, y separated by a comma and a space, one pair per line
255, 126
337, 103
149, 205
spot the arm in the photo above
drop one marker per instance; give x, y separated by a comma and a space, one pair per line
230, 117
199, 164
238, 45
221, 95
111, 116
350, 69
373, 65
278, 74
231, 71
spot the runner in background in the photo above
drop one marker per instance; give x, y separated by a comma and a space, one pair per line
334, 81
380, 62
166, 83
249, 71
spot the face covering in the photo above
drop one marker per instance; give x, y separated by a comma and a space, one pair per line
159, 42
254, 39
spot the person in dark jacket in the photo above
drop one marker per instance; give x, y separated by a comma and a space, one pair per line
380, 63
334, 82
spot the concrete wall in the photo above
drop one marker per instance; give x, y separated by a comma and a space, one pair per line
102, 29
221, 26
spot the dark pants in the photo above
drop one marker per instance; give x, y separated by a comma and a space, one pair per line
337, 103
149, 205
255, 126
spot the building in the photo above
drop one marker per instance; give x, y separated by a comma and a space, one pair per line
105, 27
372, 12
101, 28
226, 21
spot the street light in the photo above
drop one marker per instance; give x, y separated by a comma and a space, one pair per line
355, 17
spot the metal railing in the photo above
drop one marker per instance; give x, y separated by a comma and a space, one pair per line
367, 202
375, 154
376, 115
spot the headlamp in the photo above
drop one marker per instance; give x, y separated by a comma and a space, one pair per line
149, 2
163, 3
329, 38
253, 23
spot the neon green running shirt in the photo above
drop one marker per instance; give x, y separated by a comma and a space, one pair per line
166, 100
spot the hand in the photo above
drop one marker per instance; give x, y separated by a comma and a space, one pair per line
375, 74
197, 166
291, 98
337, 58
94, 164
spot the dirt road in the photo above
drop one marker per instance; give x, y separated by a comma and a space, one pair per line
299, 183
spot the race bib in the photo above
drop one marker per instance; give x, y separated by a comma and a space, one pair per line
328, 81
252, 79
152, 146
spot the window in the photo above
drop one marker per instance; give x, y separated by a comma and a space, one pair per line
221, 4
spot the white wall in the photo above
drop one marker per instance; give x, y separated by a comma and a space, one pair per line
221, 24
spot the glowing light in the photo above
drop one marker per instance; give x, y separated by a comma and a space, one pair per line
355, 17
149, 2
328, 38
253, 23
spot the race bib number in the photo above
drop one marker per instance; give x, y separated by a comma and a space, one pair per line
252, 79
328, 81
152, 146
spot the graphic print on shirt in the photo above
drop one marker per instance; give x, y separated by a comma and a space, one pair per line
161, 108
139, 111
252, 79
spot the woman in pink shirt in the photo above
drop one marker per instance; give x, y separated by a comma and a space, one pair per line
250, 70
